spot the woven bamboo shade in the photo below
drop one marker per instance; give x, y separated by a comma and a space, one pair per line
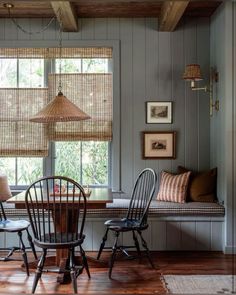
47, 53
90, 92
192, 73
19, 137
93, 94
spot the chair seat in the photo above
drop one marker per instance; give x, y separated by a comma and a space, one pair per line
13, 225
59, 241
124, 224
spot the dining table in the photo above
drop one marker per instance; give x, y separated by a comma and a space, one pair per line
97, 199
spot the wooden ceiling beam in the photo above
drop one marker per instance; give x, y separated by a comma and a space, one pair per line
66, 13
171, 13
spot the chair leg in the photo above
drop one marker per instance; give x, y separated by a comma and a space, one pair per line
104, 239
85, 262
39, 270
144, 243
73, 270
113, 255
31, 244
24, 255
136, 244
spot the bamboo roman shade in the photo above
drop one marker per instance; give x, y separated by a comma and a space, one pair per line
92, 92
47, 53
19, 137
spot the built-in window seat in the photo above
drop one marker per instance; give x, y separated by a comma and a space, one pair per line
172, 226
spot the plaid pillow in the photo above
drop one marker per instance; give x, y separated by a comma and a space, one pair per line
173, 188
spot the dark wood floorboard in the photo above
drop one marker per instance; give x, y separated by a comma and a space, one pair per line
129, 277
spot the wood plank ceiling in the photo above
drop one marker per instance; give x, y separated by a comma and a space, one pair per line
168, 12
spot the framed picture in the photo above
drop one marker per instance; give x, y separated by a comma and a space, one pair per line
159, 145
159, 112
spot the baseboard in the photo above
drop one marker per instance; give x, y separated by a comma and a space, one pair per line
230, 250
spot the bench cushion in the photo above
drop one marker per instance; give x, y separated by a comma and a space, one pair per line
157, 208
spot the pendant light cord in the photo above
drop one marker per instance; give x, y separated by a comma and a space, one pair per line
9, 6
60, 53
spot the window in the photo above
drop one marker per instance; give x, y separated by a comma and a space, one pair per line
85, 161
17, 73
88, 161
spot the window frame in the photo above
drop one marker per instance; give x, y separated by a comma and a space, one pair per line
48, 163
115, 144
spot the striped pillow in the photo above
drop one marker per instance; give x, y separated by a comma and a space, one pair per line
173, 188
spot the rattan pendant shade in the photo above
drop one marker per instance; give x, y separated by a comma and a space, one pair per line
60, 109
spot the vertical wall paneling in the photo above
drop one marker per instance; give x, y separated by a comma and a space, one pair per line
203, 235
12, 239
139, 72
188, 235
35, 25
100, 28
98, 233
173, 235
2, 29
216, 236
178, 94
127, 104
50, 33
158, 234
164, 83
113, 28
234, 124
88, 230
11, 31
163, 234
191, 107
25, 23
229, 131
87, 28
151, 76
2, 240
223, 122
203, 55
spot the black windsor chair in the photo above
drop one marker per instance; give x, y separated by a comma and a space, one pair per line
16, 226
57, 210
13, 226
135, 220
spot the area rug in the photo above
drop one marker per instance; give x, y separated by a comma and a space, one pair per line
199, 284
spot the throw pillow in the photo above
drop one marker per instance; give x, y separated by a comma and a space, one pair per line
202, 185
173, 188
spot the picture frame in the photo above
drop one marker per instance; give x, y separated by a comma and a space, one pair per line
159, 112
159, 144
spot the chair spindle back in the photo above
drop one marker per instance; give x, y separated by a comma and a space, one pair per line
142, 195
56, 207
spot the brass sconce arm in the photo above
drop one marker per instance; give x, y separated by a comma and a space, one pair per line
192, 73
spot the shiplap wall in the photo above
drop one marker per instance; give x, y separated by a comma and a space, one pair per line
223, 123
151, 68
173, 233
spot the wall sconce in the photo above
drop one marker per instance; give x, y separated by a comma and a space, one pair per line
192, 73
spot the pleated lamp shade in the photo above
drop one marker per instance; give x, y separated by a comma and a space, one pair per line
192, 73
5, 192
60, 109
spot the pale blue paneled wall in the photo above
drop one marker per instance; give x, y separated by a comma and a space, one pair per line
151, 67
223, 123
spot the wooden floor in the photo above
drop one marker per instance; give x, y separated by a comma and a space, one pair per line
129, 277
